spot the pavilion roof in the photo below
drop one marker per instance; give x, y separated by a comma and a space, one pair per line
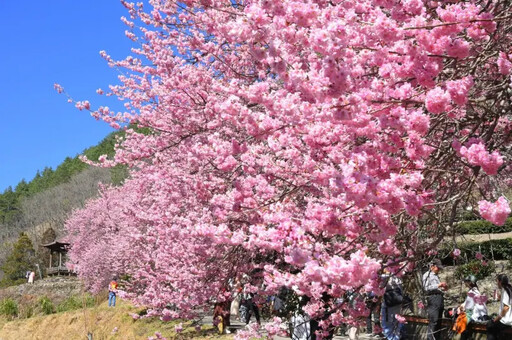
57, 246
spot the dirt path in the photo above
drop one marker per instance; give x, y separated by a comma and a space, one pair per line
482, 237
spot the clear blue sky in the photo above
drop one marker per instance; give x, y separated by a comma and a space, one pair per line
47, 42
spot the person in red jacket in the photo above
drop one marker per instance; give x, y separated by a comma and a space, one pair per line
112, 292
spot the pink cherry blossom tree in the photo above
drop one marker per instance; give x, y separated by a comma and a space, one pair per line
317, 141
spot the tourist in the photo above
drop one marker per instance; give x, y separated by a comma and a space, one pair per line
373, 319
353, 330
277, 302
237, 297
353, 333
221, 315
31, 277
112, 292
391, 306
435, 300
248, 307
473, 307
504, 318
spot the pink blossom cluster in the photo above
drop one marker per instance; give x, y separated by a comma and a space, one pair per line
438, 100
496, 212
504, 63
476, 154
297, 143
275, 327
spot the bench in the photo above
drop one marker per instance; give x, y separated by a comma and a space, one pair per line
414, 332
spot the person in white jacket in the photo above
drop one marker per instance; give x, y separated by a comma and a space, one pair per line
474, 306
504, 319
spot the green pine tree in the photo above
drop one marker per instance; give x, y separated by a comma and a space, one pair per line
19, 261
9, 205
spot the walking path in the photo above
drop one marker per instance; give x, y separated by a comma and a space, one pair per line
481, 237
236, 325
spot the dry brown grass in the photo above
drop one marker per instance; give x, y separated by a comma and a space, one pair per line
103, 322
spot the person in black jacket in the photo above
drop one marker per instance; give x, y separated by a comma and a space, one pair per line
504, 319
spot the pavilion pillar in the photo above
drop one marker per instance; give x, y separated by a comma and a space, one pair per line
50, 258
60, 263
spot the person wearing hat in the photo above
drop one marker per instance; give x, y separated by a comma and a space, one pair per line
435, 300
474, 306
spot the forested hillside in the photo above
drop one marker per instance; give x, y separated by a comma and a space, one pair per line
11, 198
45, 201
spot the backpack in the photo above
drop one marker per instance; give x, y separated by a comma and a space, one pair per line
393, 297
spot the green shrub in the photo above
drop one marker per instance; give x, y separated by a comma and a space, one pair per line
483, 227
469, 216
71, 303
491, 250
494, 249
90, 301
9, 307
6, 282
47, 306
76, 302
476, 268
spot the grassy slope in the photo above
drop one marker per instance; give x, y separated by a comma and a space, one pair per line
101, 322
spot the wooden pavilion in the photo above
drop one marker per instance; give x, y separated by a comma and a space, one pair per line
60, 248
